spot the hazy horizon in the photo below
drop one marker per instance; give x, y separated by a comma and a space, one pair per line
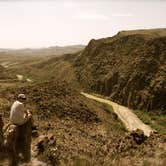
41, 23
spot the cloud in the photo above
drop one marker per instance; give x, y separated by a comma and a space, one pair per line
70, 4
121, 15
97, 16
82, 0
91, 16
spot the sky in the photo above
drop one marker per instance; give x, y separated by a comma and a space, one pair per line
44, 23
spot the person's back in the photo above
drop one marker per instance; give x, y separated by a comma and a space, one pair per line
17, 113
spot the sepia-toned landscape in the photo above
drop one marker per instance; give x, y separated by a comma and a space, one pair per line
96, 104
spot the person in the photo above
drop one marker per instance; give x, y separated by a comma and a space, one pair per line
18, 114
22, 118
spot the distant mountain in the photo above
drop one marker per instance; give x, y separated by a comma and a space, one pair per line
129, 67
44, 51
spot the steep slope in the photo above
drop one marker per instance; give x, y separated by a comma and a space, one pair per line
54, 68
77, 131
129, 67
77, 126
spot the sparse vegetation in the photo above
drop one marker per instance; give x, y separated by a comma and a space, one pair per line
114, 120
154, 119
128, 67
76, 130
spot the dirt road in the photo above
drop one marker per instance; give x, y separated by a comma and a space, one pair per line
130, 120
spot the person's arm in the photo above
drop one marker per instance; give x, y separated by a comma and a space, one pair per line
24, 114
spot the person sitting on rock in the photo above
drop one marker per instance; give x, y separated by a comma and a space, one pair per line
22, 118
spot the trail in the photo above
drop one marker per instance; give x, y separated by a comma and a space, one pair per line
8, 64
22, 78
126, 115
34, 161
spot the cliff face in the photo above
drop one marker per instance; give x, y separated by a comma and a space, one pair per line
129, 67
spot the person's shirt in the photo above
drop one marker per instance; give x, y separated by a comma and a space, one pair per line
17, 113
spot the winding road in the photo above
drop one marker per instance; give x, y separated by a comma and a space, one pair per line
126, 115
